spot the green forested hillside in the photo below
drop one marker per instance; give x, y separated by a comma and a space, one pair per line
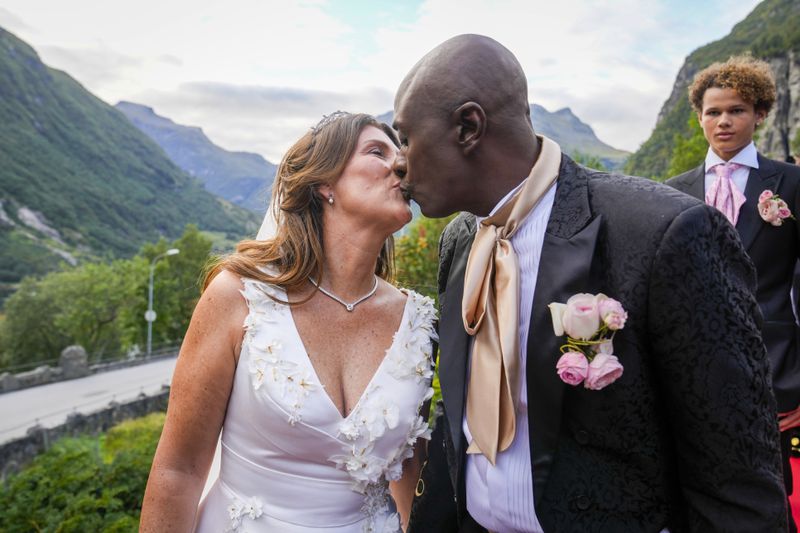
772, 29
78, 179
240, 177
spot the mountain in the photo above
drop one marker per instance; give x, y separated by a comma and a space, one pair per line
574, 136
78, 180
771, 32
240, 177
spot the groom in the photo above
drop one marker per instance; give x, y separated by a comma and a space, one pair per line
685, 439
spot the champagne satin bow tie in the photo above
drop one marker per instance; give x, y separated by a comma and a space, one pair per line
490, 310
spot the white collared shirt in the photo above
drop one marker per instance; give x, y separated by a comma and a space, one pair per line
747, 156
500, 497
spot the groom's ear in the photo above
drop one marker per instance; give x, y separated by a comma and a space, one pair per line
470, 119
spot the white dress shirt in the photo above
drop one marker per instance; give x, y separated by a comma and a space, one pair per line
747, 156
500, 497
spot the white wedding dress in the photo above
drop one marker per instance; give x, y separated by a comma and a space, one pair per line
289, 462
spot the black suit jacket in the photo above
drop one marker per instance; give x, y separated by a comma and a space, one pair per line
687, 437
774, 251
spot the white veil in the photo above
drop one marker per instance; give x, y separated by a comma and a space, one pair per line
269, 227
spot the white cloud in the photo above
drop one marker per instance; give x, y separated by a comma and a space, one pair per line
267, 120
98, 66
596, 56
11, 22
254, 73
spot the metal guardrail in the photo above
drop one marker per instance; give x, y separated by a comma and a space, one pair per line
24, 367
54, 374
32, 365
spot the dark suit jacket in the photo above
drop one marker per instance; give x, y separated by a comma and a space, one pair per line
774, 251
687, 437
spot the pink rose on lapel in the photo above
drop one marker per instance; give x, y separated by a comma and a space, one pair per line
772, 208
572, 368
611, 312
581, 317
603, 371
590, 323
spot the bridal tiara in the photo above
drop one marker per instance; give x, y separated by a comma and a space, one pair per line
327, 119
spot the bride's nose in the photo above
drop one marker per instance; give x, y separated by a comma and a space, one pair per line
400, 165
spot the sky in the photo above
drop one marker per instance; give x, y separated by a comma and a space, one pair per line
256, 74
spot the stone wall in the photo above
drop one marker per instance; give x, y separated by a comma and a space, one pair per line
16, 453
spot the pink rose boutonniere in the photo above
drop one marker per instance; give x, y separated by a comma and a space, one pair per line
590, 323
772, 208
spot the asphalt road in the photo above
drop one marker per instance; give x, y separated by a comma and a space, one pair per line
49, 405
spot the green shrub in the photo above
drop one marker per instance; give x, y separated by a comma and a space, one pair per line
690, 150
84, 484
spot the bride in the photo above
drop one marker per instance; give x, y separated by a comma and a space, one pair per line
313, 365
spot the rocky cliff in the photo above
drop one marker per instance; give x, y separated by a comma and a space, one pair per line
783, 124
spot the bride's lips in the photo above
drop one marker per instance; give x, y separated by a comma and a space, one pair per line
405, 192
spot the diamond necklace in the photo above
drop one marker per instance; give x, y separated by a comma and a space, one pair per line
348, 306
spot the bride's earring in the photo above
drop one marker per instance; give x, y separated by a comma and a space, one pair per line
330, 198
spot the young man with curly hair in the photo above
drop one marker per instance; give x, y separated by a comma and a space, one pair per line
761, 198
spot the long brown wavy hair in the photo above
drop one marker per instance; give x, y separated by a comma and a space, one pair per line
295, 253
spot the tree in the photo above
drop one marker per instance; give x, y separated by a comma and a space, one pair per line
417, 255
92, 300
688, 152
795, 144
591, 161
176, 287
81, 305
29, 331
101, 305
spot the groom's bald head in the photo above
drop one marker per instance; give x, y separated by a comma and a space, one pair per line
463, 113
468, 68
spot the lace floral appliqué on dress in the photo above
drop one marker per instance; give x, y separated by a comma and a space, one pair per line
240, 511
291, 382
289, 461
408, 359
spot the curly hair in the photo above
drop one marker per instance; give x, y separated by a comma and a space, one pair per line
751, 78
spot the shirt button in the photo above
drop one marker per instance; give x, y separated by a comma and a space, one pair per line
582, 437
582, 502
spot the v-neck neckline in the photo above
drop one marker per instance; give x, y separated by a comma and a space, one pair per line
342, 418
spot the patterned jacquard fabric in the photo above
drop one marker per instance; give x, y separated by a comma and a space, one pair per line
686, 438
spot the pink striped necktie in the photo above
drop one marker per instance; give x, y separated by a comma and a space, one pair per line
724, 194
